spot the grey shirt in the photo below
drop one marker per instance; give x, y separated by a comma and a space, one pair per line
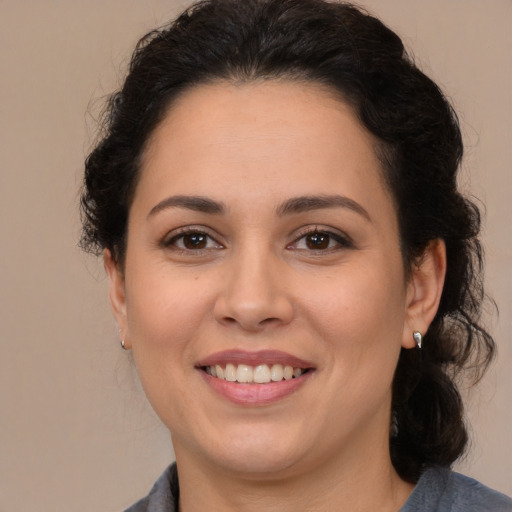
438, 490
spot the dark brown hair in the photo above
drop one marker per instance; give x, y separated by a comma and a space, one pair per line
341, 46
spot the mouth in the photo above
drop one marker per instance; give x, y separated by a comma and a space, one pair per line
259, 374
255, 378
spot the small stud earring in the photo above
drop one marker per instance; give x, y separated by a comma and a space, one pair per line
121, 339
418, 338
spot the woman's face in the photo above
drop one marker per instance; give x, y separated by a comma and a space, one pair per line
263, 241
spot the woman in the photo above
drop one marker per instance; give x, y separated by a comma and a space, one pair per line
291, 262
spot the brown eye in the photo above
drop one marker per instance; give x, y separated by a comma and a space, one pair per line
192, 240
316, 241
195, 241
322, 241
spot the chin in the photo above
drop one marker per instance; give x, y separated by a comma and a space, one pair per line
250, 463
255, 452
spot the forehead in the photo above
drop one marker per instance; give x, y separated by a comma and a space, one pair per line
284, 136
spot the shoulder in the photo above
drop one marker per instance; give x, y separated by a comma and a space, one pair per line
164, 495
442, 490
468, 494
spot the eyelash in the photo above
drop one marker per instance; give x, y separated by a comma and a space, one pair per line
341, 241
172, 242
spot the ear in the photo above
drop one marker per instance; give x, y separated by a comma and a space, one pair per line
424, 291
117, 295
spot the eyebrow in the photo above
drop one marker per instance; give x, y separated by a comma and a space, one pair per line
195, 203
291, 206
308, 203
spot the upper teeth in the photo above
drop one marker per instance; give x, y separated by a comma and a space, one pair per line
260, 374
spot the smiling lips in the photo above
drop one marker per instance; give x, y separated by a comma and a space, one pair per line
254, 378
261, 374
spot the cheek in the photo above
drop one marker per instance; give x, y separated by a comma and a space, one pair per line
360, 300
163, 302
359, 316
165, 315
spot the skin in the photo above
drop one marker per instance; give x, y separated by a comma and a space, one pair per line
257, 284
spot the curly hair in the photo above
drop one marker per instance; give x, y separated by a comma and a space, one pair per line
419, 145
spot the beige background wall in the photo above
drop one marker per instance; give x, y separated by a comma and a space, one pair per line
75, 431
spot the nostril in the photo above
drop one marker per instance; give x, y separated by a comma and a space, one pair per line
269, 320
250, 323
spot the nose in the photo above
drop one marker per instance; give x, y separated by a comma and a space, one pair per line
254, 294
